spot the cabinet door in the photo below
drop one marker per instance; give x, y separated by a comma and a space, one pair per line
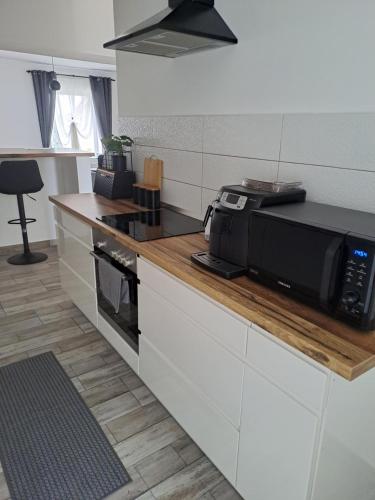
76, 255
201, 420
212, 369
208, 314
277, 441
79, 292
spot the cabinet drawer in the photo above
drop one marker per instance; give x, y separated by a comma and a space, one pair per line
277, 443
209, 366
118, 343
204, 362
81, 230
213, 434
76, 255
219, 322
79, 292
296, 376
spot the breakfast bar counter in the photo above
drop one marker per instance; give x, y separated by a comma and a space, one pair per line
27, 153
63, 171
331, 343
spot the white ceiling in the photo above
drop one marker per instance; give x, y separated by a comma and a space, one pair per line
71, 29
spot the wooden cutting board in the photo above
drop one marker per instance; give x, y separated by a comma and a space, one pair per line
153, 172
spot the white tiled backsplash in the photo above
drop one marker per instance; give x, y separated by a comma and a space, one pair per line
333, 154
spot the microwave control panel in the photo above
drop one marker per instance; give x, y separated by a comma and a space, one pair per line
357, 281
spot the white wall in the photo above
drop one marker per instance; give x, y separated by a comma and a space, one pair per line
295, 100
333, 154
293, 56
19, 126
74, 29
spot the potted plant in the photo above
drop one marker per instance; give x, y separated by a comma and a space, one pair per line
116, 147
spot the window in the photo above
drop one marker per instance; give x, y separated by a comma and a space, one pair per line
75, 123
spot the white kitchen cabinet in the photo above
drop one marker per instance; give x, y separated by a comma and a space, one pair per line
76, 254
77, 268
214, 371
346, 466
288, 370
277, 443
246, 408
81, 230
210, 430
83, 296
215, 319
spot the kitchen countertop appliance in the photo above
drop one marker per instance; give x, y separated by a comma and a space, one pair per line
229, 235
321, 254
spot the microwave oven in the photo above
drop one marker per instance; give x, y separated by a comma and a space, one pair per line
321, 254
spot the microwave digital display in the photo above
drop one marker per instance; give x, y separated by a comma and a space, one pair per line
358, 252
232, 198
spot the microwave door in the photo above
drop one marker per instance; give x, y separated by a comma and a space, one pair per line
294, 258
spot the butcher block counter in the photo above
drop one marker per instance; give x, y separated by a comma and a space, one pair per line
344, 350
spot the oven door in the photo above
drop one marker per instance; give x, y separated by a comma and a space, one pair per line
125, 322
303, 260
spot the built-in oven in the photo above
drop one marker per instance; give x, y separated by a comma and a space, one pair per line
113, 259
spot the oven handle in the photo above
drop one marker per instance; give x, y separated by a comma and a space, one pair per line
330, 269
98, 259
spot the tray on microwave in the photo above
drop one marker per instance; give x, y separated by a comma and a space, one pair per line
271, 187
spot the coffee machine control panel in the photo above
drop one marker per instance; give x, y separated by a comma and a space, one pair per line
233, 201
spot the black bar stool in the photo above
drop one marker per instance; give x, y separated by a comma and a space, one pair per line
19, 178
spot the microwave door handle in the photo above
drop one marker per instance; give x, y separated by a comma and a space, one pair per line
329, 270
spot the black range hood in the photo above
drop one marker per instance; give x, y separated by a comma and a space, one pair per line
185, 27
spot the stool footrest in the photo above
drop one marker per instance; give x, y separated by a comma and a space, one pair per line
28, 220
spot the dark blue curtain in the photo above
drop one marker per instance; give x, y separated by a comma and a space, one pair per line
101, 89
45, 102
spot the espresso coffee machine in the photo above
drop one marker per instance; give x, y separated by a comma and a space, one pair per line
229, 235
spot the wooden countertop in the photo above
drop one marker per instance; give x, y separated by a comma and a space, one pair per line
42, 153
342, 349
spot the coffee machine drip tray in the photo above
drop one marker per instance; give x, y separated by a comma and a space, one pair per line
217, 265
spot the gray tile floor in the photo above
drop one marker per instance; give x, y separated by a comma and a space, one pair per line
164, 463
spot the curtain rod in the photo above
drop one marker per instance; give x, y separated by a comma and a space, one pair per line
72, 76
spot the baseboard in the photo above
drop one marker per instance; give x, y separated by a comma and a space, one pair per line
38, 245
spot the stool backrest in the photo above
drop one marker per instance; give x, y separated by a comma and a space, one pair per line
20, 177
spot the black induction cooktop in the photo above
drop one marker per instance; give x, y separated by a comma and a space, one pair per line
153, 224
